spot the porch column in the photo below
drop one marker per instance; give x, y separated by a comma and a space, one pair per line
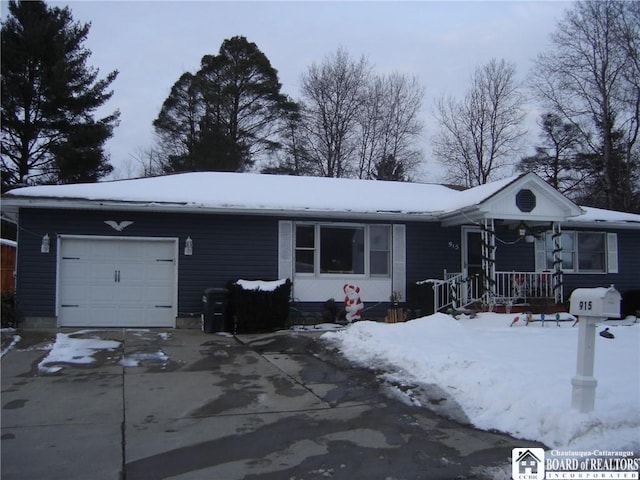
556, 239
487, 234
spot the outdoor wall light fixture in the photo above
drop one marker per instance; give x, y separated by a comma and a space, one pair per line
522, 229
45, 245
526, 233
188, 246
529, 234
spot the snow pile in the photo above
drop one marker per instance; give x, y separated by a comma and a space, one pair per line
138, 358
514, 379
261, 285
9, 340
67, 349
318, 327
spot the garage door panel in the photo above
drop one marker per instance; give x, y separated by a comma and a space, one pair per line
74, 314
159, 250
117, 282
78, 292
102, 296
157, 295
156, 269
135, 274
94, 316
101, 274
74, 270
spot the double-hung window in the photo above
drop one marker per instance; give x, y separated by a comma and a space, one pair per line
584, 252
305, 248
342, 249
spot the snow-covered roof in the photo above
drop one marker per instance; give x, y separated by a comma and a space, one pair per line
256, 192
594, 216
278, 194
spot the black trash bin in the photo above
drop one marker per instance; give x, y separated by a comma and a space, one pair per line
214, 309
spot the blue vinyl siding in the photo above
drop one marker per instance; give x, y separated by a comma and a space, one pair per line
513, 255
224, 248
628, 276
431, 249
36, 272
228, 247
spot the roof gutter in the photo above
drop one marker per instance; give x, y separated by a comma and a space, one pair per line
11, 206
601, 223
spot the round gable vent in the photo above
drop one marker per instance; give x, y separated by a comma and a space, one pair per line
525, 200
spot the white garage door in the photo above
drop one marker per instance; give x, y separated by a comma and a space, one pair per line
117, 282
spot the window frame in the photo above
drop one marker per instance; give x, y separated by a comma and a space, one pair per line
575, 252
317, 250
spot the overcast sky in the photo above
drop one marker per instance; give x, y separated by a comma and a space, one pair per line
152, 43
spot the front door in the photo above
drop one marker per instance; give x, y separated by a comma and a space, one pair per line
472, 255
471, 263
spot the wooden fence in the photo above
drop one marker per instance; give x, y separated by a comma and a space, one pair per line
8, 261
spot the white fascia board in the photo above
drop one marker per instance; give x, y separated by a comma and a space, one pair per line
12, 205
463, 216
601, 224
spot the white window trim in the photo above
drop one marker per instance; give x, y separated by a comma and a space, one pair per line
610, 254
367, 251
286, 244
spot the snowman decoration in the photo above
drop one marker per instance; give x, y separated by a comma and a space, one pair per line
352, 303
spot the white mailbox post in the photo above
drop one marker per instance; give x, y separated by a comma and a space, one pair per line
591, 305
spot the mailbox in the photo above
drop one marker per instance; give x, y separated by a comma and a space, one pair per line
595, 302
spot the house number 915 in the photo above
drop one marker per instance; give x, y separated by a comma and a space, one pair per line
585, 305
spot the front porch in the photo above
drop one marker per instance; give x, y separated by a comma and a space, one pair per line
511, 250
506, 291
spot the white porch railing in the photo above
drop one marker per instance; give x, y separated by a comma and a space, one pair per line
520, 287
456, 291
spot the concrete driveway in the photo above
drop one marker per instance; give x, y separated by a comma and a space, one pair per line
185, 405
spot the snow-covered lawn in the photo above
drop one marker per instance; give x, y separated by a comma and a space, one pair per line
513, 379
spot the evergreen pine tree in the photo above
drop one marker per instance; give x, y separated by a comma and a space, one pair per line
225, 115
49, 97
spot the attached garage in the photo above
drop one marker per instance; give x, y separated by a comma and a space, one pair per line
117, 282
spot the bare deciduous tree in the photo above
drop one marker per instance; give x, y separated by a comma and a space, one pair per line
591, 79
353, 119
481, 133
389, 125
332, 96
